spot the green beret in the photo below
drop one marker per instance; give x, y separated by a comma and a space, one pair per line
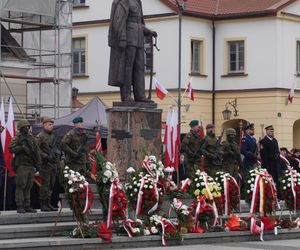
77, 120
194, 123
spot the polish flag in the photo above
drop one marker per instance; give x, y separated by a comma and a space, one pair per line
160, 90
172, 139
10, 133
191, 90
201, 131
2, 123
168, 140
98, 142
292, 93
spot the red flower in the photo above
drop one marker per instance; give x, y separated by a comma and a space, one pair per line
104, 233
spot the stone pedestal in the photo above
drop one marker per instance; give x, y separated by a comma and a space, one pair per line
134, 130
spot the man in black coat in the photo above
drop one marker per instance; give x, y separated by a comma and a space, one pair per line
270, 154
127, 31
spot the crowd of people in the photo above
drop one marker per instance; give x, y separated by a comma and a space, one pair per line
39, 159
233, 156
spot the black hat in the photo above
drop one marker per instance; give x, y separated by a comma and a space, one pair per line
269, 127
249, 126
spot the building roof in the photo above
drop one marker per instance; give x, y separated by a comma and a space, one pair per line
222, 9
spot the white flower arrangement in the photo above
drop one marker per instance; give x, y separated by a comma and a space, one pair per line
75, 180
110, 172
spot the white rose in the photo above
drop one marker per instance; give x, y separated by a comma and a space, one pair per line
86, 183
252, 185
197, 185
248, 191
135, 190
70, 182
139, 184
134, 183
153, 230
66, 167
150, 186
283, 181
107, 174
66, 175
284, 188
130, 170
146, 232
81, 186
196, 179
71, 190
288, 184
152, 158
145, 186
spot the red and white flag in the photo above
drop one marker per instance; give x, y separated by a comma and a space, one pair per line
292, 93
98, 142
191, 90
160, 90
172, 139
3, 124
10, 133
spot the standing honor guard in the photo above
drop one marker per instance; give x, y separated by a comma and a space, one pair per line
74, 145
25, 163
50, 155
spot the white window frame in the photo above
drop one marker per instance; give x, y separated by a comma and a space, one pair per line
298, 57
79, 2
239, 63
80, 51
196, 53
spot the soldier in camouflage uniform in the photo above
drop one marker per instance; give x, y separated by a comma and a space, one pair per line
25, 163
212, 152
190, 147
231, 154
74, 145
50, 155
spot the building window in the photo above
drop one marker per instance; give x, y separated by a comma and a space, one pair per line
298, 57
79, 56
196, 56
148, 54
236, 56
78, 2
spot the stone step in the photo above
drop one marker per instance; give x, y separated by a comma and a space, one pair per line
121, 242
12, 217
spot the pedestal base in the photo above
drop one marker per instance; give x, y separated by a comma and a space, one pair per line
133, 132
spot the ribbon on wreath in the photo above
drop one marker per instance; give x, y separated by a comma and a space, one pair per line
164, 223
210, 196
293, 186
259, 192
254, 229
140, 197
185, 184
226, 183
127, 225
146, 164
88, 203
115, 185
203, 206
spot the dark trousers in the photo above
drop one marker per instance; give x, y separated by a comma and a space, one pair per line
134, 74
48, 176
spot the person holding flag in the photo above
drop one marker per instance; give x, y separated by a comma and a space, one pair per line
190, 147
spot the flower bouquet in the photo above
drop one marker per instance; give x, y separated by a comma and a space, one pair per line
185, 219
164, 226
134, 228
230, 192
290, 189
234, 223
145, 187
79, 194
261, 192
111, 192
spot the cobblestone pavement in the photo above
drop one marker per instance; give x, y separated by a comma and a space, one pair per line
269, 245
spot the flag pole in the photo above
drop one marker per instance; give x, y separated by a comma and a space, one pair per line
5, 190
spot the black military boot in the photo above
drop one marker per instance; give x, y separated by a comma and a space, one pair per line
51, 207
29, 210
44, 206
21, 210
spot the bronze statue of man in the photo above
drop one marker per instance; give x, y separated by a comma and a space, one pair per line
126, 38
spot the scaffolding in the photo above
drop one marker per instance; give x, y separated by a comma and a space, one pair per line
36, 56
